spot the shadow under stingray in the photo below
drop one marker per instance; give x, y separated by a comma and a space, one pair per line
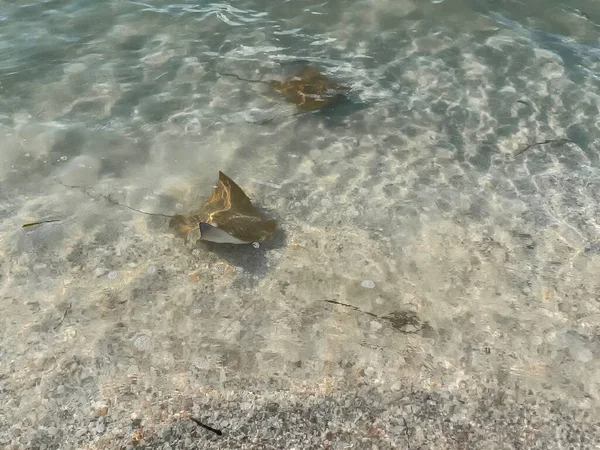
253, 261
335, 114
331, 115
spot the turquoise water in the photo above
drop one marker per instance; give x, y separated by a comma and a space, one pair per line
415, 198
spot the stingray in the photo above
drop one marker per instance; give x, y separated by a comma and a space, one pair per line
228, 217
309, 90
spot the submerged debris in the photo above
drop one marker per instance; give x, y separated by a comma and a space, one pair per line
31, 224
207, 427
404, 321
547, 141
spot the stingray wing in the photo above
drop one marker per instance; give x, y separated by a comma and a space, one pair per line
230, 209
309, 74
227, 196
248, 228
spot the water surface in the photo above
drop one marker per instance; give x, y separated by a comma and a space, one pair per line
412, 199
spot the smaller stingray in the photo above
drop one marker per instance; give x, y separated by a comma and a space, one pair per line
310, 90
228, 217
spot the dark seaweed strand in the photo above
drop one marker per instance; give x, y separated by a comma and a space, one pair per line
207, 427
352, 307
547, 141
237, 76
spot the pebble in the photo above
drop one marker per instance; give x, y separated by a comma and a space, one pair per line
369, 372
60, 390
255, 245
376, 326
136, 417
112, 275
100, 271
79, 433
102, 411
368, 284
142, 343
100, 427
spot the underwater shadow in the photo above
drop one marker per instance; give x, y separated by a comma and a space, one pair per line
333, 115
336, 114
253, 261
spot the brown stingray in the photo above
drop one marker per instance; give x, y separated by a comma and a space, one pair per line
227, 217
310, 90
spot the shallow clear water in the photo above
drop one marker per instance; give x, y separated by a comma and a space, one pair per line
413, 199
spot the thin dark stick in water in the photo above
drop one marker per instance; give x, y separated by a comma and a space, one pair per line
214, 430
63, 317
406, 433
31, 224
353, 307
547, 141
237, 76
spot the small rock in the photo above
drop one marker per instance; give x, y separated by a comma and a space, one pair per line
368, 284
410, 329
60, 390
79, 433
100, 427
136, 418
376, 326
369, 372
98, 272
102, 411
